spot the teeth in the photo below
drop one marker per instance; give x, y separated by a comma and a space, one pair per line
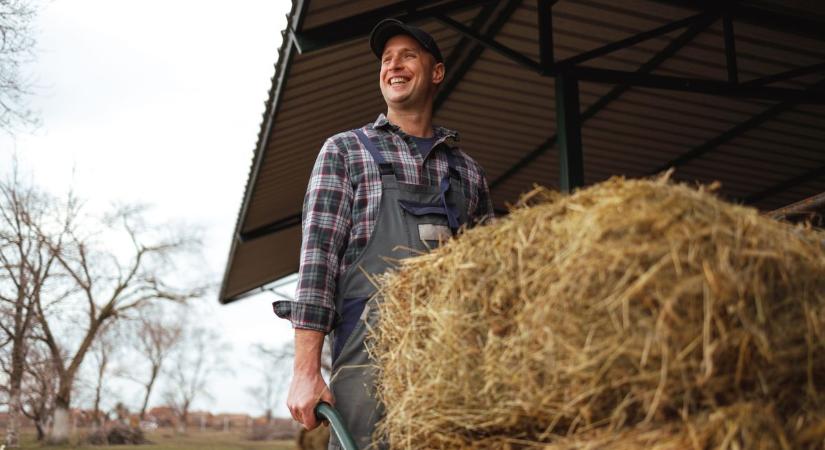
397, 80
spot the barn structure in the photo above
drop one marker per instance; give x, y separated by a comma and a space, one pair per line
563, 93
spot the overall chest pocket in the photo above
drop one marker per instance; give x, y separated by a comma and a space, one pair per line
427, 223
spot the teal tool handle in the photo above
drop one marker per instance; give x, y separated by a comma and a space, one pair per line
325, 411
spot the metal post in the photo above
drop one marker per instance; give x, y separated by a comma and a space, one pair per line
568, 129
546, 33
730, 49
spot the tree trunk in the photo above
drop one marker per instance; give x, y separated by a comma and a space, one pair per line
97, 421
40, 433
13, 425
60, 430
149, 385
183, 419
17, 363
61, 420
61, 423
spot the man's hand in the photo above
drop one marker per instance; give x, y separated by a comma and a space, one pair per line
307, 387
305, 391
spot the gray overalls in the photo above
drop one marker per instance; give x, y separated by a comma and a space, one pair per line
411, 219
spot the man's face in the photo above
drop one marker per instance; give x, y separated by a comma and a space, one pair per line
409, 74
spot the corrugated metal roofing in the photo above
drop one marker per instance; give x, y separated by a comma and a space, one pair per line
505, 112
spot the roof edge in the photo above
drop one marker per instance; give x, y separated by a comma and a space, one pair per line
295, 20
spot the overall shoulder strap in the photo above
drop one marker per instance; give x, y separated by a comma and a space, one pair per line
453, 166
383, 166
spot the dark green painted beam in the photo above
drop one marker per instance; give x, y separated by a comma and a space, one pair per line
456, 74
654, 62
569, 130
740, 129
360, 25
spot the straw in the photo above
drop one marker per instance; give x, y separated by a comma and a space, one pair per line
630, 305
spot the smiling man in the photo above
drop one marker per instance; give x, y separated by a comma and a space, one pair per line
389, 190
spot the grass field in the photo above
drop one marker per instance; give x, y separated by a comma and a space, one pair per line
167, 440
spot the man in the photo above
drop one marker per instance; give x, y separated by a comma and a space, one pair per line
387, 190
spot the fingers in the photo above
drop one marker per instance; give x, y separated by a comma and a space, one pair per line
291, 402
308, 416
307, 413
303, 414
293, 411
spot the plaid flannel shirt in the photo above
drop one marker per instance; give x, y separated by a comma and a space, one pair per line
341, 207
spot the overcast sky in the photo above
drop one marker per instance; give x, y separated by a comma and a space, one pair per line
160, 102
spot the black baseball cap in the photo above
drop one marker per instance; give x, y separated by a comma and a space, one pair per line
388, 28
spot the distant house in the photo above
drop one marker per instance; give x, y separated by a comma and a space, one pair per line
163, 416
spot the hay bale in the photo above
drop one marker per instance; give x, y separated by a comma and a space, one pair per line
117, 434
751, 426
121, 434
630, 303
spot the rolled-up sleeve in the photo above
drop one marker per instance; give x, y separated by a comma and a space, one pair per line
326, 223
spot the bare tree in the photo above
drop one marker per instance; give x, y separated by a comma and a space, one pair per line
271, 377
200, 355
109, 285
16, 44
39, 389
26, 268
155, 340
273, 364
103, 353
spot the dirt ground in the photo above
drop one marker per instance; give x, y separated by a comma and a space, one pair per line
168, 440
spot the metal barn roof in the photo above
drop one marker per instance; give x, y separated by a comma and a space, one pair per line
727, 91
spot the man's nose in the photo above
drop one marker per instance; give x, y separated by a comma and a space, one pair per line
395, 62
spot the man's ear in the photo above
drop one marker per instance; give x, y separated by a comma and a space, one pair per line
438, 73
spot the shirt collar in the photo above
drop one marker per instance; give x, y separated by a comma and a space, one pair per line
441, 134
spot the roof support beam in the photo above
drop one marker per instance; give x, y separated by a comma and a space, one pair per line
773, 19
654, 62
478, 23
633, 40
696, 85
569, 130
490, 43
454, 76
553, 69
790, 74
360, 25
545, 18
273, 227
730, 49
737, 130
791, 183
